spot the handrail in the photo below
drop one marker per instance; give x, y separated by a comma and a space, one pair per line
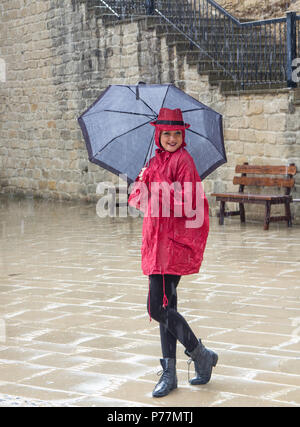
110, 8
225, 12
264, 22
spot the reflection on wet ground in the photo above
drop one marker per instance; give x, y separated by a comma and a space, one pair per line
74, 330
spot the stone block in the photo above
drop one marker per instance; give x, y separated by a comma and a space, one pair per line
234, 109
247, 135
258, 122
277, 122
52, 185
43, 185
255, 107
266, 137
253, 149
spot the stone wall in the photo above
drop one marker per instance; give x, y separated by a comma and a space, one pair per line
59, 57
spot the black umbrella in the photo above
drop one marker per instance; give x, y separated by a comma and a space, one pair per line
119, 137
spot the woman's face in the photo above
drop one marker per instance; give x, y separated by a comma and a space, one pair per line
171, 140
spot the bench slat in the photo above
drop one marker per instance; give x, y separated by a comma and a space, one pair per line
251, 197
267, 170
264, 181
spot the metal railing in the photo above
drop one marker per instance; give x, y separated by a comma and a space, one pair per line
123, 9
247, 53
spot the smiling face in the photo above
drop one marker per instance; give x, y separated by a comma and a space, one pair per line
171, 140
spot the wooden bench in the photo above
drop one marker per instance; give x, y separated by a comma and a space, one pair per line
283, 179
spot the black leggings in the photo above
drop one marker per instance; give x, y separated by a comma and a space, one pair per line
173, 326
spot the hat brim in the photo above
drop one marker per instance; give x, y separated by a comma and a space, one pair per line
170, 126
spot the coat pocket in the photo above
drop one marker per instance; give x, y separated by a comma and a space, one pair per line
181, 252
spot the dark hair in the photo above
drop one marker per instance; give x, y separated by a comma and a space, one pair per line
160, 140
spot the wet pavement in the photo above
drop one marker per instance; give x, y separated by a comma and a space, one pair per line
74, 330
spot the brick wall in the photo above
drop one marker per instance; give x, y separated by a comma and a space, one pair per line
59, 56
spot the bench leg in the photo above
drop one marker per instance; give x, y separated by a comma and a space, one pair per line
288, 214
267, 215
242, 212
222, 213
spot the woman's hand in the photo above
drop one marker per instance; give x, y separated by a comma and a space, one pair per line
141, 174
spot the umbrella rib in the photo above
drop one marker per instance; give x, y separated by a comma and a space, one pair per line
205, 137
116, 137
129, 112
165, 96
194, 109
121, 112
155, 114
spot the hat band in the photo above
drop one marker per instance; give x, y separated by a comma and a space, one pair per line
169, 122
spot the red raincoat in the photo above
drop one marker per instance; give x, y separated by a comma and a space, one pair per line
168, 245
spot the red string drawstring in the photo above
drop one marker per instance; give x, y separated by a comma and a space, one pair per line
165, 299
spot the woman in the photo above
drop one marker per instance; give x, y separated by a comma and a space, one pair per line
174, 240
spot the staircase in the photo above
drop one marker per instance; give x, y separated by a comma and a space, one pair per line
236, 55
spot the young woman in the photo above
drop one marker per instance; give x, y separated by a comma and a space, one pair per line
174, 240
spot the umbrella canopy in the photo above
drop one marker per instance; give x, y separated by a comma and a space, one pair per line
119, 137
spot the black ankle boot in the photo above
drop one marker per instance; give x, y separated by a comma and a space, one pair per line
204, 360
168, 380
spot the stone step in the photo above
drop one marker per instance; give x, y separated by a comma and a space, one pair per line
208, 65
218, 39
216, 76
229, 86
250, 64
185, 46
209, 25
225, 60
217, 31
194, 57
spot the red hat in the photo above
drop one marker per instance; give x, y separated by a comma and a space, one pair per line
170, 120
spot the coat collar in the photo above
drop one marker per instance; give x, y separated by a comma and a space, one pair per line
164, 155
